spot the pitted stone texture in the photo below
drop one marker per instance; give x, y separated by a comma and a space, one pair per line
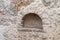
31, 36
12, 12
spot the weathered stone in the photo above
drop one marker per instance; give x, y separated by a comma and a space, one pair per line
12, 13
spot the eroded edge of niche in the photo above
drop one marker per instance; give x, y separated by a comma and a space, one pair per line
30, 30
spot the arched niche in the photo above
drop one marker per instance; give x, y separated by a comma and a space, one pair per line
32, 20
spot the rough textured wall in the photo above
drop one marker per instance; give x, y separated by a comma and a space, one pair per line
12, 12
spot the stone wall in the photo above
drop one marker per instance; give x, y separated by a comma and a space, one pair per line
12, 12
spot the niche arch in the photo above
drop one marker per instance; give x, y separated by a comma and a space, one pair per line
32, 20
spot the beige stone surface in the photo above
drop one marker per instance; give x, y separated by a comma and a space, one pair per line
13, 11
